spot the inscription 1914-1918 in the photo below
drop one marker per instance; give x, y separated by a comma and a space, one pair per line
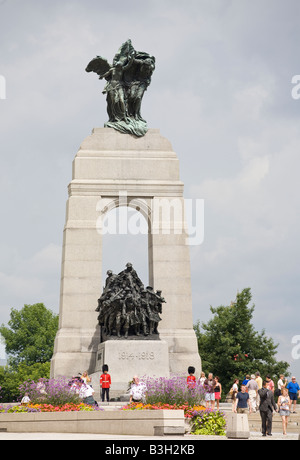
144, 355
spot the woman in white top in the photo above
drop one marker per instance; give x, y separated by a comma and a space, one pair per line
234, 390
25, 400
86, 378
138, 390
202, 379
284, 404
282, 382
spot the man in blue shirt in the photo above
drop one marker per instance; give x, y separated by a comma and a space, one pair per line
242, 402
294, 392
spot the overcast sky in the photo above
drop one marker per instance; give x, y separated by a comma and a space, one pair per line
221, 93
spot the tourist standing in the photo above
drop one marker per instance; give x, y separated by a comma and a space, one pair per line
284, 406
209, 386
41, 387
252, 391
259, 380
282, 383
267, 403
218, 392
247, 379
233, 391
85, 377
242, 401
294, 392
105, 382
270, 383
202, 379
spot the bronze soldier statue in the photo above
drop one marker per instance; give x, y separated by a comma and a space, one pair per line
126, 308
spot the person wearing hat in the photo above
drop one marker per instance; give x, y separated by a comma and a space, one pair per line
130, 316
129, 278
191, 379
107, 291
253, 392
105, 382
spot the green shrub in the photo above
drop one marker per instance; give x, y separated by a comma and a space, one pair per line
208, 422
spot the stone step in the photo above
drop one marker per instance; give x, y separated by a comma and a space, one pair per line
255, 420
293, 424
111, 405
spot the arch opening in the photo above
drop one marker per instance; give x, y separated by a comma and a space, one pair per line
125, 239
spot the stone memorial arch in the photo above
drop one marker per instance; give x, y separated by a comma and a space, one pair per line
114, 168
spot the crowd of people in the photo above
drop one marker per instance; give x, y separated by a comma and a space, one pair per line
255, 395
83, 386
252, 395
211, 386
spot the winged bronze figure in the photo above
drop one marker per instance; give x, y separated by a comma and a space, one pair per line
128, 77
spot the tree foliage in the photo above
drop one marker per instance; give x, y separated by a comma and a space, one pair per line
29, 339
11, 379
231, 348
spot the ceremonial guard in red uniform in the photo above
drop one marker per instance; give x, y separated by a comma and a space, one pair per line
105, 382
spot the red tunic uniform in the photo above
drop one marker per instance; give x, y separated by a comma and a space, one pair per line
105, 381
191, 381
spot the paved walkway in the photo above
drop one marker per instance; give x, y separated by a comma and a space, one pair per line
89, 437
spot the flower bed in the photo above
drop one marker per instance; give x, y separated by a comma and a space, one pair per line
50, 395
61, 395
202, 421
174, 391
188, 410
69, 407
56, 392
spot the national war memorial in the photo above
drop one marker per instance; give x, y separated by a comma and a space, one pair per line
135, 326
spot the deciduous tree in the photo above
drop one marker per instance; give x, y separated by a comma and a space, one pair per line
231, 348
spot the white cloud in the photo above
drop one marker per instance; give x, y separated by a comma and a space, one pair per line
249, 101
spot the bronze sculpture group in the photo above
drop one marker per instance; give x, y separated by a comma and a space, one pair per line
127, 80
126, 308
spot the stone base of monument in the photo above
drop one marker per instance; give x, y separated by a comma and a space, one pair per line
127, 358
112, 170
113, 423
237, 426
